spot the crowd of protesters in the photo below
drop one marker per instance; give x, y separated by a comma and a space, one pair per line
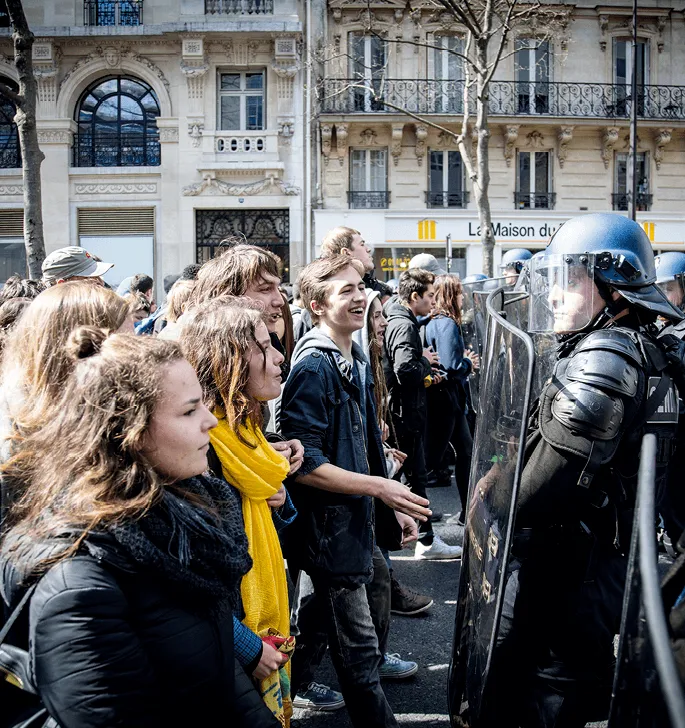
200, 497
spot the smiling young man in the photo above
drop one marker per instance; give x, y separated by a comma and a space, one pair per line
328, 404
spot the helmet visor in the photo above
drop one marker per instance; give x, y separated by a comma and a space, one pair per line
674, 290
563, 295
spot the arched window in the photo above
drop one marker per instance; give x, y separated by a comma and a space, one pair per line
10, 154
117, 126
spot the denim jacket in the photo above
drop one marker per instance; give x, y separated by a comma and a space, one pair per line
332, 538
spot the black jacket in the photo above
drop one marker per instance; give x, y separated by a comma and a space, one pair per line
405, 366
112, 645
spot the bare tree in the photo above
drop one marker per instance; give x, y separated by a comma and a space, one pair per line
31, 155
488, 26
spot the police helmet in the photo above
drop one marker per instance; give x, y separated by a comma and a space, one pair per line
515, 259
621, 254
669, 266
475, 277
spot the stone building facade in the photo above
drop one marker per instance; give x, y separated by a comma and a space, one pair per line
167, 126
559, 120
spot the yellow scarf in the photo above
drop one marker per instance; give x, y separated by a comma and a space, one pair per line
258, 474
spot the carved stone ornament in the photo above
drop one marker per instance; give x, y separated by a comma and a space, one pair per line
564, 137
660, 27
54, 136
609, 141
112, 56
286, 128
137, 188
216, 186
195, 129
193, 47
326, 134
511, 134
11, 190
285, 71
341, 132
168, 134
194, 70
421, 136
396, 148
535, 139
603, 27
662, 137
368, 137
626, 142
446, 140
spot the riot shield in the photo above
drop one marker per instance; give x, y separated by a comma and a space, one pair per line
507, 377
648, 692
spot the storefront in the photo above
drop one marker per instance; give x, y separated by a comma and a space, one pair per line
396, 236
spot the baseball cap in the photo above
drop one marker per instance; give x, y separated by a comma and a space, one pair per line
72, 261
428, 262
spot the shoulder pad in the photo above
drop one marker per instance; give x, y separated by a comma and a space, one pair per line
587, 410
617, 340
607, 359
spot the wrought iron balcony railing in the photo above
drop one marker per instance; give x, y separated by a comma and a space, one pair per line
112, 12
537, 200
621, 200
506, 98
446, 199
10, 154
370, 200
239, 7
110, 150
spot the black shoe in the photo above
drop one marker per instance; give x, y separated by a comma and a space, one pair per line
404, 600
439, 479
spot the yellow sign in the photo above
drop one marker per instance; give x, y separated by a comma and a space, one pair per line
426, 229
648, 227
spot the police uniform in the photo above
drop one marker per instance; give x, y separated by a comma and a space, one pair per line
554, 659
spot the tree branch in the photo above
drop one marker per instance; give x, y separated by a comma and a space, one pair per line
16, 98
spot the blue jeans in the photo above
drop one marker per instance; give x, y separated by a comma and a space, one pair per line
344, 618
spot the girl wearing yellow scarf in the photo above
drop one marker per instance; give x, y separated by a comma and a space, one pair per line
227, 342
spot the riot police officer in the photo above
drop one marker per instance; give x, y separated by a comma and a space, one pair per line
595, 289
512, 264
670, 277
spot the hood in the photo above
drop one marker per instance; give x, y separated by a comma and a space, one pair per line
361, 337
393, 309
316, 339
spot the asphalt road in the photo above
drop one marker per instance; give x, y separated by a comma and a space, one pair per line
422, 699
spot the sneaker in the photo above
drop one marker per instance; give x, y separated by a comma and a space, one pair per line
437, 550
394, 668
406, 601
319, 697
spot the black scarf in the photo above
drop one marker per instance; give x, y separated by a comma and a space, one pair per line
203, 556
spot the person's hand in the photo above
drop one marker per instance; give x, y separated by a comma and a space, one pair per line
278, 499
432, 357
473, 358
410, 531
269, 662
292, 451
397, 455
400, 498
436, 376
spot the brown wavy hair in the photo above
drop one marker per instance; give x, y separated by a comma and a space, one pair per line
216, 339
447, 288
376, 359
36, 363
85, 467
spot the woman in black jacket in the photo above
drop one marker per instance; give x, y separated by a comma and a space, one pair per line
137, 556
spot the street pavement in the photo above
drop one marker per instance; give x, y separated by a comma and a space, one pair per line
427, 639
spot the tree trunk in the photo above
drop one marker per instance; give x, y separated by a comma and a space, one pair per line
31, 155
487, 238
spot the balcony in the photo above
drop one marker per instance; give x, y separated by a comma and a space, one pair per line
112, 150
239, 7
506, 98
371, 200
535, 200
113, 12
446, 199
621, 200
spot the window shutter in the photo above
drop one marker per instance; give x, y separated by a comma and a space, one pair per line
110, 221
11, 223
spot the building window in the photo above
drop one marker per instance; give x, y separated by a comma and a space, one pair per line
113, 12
10, 154
534, 181
239, 7
241, 101
266, 228
446, 74
623, 75
446, 180
368, 58
532, 75
368, 178
622, 193
117, 125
